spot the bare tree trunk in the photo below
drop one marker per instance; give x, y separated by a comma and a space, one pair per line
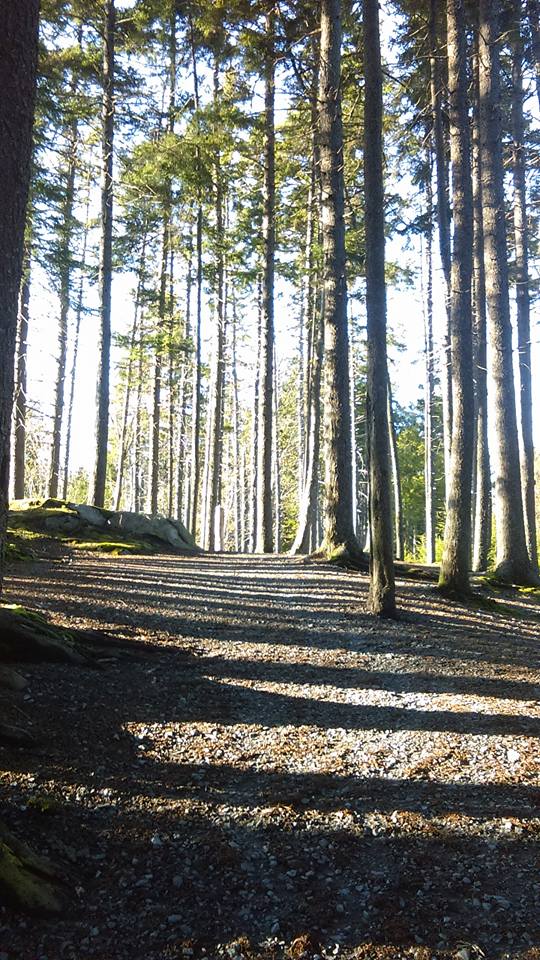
533, 11
339, 538
197, 371
396, 479
122, 450
264, 472
138, 492
382, 590
443, 217
456, 558
482, 513
276, 467
237, 500
429, 390
513, 563
65, 269
105, 259
255, 428
78, 318
183, 489
21, 383
523, 303
157, 373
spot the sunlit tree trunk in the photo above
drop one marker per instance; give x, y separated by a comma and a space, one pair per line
105, 259
19, 454
513, 563
339, 538
429, 380
482, 513
436, 12
456, 558
523, 303
396, 479
382, 590
78, 318
65, 271
264, 472
533, 11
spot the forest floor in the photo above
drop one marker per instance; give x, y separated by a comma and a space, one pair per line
275, 774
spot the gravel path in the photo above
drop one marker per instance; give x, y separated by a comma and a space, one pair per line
275, 774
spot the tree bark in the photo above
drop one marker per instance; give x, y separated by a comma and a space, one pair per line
456, 558
105, 259
264, 472
443, 218
19, 455
513, 563
65, 270
396, 479
523, 303
381, 600
339, 538
73, 374
482, 513
197, 370
533, 11
429, 380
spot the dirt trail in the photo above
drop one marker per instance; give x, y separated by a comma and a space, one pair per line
274, 764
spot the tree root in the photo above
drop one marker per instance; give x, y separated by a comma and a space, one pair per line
16, 736
28, 881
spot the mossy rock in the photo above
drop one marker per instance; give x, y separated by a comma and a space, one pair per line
27, 881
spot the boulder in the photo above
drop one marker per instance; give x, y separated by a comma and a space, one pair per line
91, 515
62, 522
145, 525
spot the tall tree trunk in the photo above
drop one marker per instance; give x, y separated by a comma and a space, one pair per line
213, 466
456, 558
105, 258
65, 267
78, 318
533, 11
482, 513
382, 589
237, 482
183, 491
429, 390
18, 58
255, 429
443, 216
396, 479
138, 491
276, 466
513, 563
197, 368
523, 304
22, 379
157, 373
339, 538
122, 446
264, 472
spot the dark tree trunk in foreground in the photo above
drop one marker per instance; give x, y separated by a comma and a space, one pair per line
24, 877
105, 259
482, 513
264, 472
513, 563
382, 590
456, 558
19, 454
523, 303
339, 537
18, 56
